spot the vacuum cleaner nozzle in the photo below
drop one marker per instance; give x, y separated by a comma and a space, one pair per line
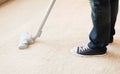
25, 40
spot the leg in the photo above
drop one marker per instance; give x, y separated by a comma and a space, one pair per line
101, 17
114, 12
100, 34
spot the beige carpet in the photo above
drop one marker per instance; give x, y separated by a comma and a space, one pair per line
68, 25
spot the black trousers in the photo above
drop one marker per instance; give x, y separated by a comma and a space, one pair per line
104, 14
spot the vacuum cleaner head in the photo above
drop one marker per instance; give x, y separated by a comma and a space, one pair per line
25, 40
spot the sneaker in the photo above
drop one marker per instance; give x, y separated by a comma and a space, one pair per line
85, 50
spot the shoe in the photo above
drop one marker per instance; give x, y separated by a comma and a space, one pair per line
85, 50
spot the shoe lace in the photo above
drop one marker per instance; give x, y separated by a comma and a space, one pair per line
83, 48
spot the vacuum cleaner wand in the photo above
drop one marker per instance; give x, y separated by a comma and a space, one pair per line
27, 39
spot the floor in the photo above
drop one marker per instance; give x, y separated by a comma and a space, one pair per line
68, 25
